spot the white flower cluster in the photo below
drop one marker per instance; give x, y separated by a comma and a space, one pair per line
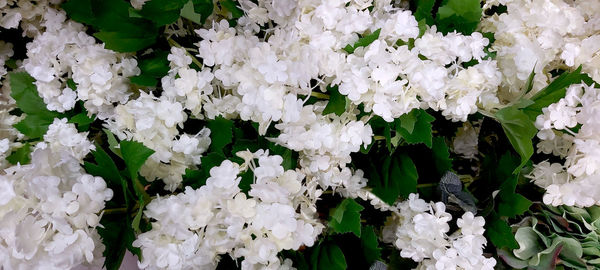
193, 228
6, 52
50, 208
64, 48
24, 13
154, 121
420, 230
545, 34
575, 181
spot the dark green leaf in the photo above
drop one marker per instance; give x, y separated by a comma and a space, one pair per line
232, 6
460, 15
144, 80
363, 42
511, 204
117, 236
79, 10
397, 176
336, 103
162, 12
328, 256
424, 11
135, 155
422, 132
82, 121
370, 245
498, 231
221, 133
21, 156
125, 41
520, 131
441, 155
194, 178
156, 66
346, 217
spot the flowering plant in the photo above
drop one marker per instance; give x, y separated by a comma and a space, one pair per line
299, 134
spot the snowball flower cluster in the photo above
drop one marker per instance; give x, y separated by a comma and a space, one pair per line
50, 208
573, 182
420, 230
527, 40
192, 229
100, 75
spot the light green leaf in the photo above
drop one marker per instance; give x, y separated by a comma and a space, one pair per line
528, 243
346, 217
363, 42
520, 131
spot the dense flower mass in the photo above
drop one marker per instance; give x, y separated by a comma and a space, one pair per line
284, 134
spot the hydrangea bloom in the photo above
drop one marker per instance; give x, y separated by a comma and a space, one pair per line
192, 229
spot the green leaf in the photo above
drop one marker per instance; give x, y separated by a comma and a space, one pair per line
498, 231
21, 156
555, 91
407, 121
441, 155
38, 118
117, 236
79, 10
144, 80
529, 82
82, 121
125, 41
34, 125
157, 65
460, 15
135, 155
193, 178
163, 12
106, 168
197, 10
424, 11
328, 256
422, 132
370, 245
221, 133
135, 224
363, 41
232, 6
520, 131
113, 144
336, 103
511, 204
397, 176
24, 92
346, 217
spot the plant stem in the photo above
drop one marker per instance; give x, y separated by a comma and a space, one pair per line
319, 95
115, 211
